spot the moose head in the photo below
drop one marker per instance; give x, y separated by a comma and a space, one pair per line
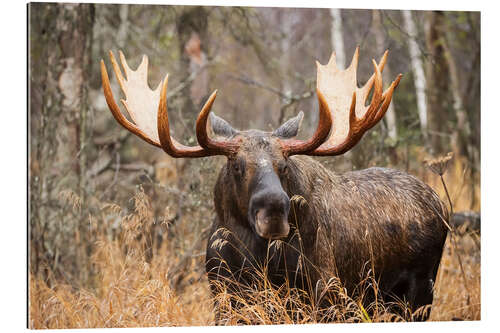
257, 161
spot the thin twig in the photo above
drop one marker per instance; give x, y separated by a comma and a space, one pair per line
447, 194
246, 80
176, 90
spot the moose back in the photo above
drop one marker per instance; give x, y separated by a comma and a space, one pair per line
283, 213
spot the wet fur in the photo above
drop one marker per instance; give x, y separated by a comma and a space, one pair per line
345, 221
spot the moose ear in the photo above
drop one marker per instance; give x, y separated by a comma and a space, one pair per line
290, 128
221, 127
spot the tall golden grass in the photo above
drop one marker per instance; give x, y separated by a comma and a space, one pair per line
138, 285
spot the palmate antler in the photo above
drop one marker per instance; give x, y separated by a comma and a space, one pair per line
148, 110
346, 102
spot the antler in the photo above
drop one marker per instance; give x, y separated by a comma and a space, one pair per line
297, 147
148, 110
346, 103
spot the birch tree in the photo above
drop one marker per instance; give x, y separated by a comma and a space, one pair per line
337, 36
418, 71
121, 35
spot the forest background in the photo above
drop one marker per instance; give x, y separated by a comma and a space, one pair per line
85, 168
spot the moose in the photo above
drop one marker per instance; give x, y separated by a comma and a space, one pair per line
272, 192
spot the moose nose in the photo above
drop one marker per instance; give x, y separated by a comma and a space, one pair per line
269, 213
275, 202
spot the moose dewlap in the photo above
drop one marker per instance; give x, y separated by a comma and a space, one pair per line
378, 217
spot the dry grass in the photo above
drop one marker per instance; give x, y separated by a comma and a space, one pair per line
454, 298
129, 291
140, 284
132, 293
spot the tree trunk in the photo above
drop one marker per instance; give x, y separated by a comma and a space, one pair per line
75, 25
472, 88
461, 134
464, 138
338, 37
61, 36
288, 20
437, 79
121, 35
418, 72
192, 34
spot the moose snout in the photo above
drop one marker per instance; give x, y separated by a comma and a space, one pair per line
269, 213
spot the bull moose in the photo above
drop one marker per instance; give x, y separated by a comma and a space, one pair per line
379, 216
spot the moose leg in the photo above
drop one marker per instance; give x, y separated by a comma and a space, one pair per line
415, 289
396, 289
423, 299
425, 292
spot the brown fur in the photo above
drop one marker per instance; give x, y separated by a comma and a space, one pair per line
379, 217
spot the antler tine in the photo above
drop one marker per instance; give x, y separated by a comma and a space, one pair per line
377, 96
354, 62
386, 98
117, 70
365, 90
217, 147
207, 147
348, 128
383, 60
297, 147
201, 123
125, 65
169, 144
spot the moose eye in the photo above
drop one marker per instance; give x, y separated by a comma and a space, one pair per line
283, 168
238, 167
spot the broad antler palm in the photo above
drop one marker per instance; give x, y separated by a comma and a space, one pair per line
347, 103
